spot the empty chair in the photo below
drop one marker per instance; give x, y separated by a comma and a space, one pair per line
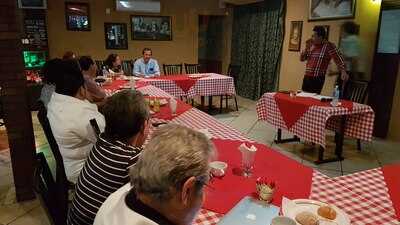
170, 69
192, 68
61, 185
127, 67
356, 91
233, 71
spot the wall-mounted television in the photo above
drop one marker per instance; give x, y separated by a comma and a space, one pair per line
32, 4
142, 6
34, 59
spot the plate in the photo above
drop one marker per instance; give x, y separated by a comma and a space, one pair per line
312, 206
163, 101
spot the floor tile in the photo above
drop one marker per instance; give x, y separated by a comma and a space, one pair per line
245, 121
330, 173
13, 211
35, 217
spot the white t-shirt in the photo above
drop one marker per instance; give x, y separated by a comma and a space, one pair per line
114, 211
69, 120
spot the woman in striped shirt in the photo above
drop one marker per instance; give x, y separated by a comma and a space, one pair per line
117, 149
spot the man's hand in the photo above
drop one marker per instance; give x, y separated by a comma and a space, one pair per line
344, 76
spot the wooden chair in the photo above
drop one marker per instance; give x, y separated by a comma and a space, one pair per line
171, 69
233, 71
1, 108
356, 91
99, 64
192, 68
62, 185
127, 67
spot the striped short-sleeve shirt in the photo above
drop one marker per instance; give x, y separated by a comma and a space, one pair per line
105, 171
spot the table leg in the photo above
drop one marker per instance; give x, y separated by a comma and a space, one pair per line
202, 100
279, 139
339, 137
210, 102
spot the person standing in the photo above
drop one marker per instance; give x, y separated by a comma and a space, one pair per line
350, 46
146, 66
318, 53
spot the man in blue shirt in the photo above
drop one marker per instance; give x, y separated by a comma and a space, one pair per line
146, 66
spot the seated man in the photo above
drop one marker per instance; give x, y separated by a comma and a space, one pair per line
89, 70
117, 149
69, 113
146, 66
168, 180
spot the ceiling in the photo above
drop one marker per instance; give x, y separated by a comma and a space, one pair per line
241, 2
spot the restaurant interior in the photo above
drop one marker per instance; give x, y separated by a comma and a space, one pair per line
232, 70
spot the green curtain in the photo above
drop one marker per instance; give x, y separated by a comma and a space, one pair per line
257, 40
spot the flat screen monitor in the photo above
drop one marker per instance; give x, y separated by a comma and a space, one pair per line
34, 59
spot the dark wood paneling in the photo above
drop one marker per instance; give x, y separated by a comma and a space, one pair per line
382, 88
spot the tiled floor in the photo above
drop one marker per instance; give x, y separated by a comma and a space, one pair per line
374, 154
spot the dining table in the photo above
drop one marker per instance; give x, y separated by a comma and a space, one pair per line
309, 117
294, 180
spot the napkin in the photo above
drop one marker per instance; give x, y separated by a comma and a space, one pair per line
287, 205
243, 148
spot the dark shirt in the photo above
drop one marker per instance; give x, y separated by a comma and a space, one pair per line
139, 207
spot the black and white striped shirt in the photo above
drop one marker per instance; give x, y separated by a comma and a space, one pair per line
105, 171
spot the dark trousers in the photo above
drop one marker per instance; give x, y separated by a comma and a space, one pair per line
313, 84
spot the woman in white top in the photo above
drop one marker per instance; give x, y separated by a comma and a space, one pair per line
69, 113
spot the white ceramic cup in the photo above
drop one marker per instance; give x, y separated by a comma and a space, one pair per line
173, 105
218, 168
282, 220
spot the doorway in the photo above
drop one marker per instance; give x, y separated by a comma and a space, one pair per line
386, 67
210, 43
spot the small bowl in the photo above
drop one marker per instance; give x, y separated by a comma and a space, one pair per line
218, 168
283, 220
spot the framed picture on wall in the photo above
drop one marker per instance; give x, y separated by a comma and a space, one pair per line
77, 16
116, 36
151, 28
331, 9
296, 28
32, 4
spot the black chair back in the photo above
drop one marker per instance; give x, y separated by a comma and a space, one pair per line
234, 71
61, 184
127, 67
171, 69
356, 90
46, 190
95, 127
1, 107
192, 68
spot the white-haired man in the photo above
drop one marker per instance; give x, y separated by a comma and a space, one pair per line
168, 180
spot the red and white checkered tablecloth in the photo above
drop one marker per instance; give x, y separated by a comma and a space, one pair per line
313, 124
213, 84
371, 185
360, 207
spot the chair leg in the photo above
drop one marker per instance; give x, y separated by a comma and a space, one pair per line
358, 144
237, 108
220, 104
226, 101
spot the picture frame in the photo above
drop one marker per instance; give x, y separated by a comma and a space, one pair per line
32, 4
77, 16
296, 29
151, 28
331, 9
116, 36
